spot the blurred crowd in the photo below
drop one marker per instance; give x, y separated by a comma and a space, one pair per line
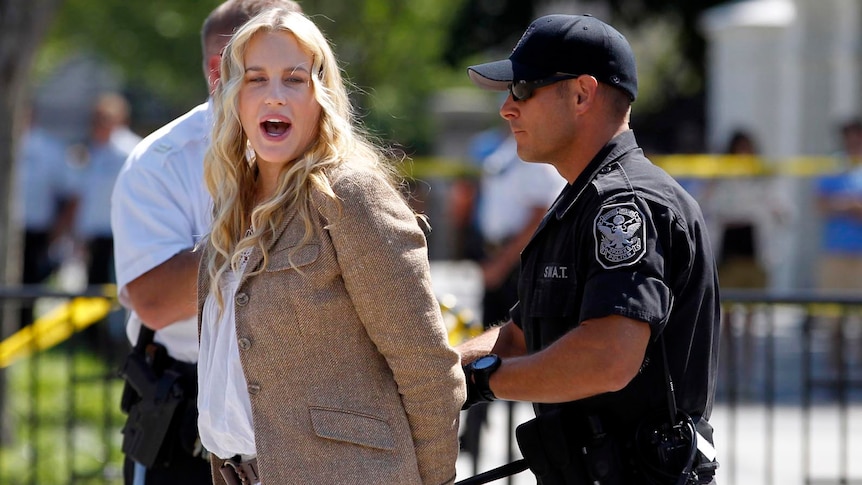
64, 193
764, 225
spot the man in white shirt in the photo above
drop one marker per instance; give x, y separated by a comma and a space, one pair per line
513, 198
160, 209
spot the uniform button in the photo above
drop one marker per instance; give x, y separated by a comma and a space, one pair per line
241, 299
253, 389
244, 343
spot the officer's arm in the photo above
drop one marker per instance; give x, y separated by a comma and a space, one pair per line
598, 356
506, 341
844, 205
168, 292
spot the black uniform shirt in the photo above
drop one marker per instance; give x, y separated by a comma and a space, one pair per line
626, 239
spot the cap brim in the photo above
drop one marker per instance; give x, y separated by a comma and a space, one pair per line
497, 75
494, 76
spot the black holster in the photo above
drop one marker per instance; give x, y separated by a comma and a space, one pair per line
159, 397
563, 452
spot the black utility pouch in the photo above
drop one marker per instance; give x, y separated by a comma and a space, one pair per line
156, 401
675, 453
560, 452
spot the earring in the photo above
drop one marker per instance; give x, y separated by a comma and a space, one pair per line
250, 155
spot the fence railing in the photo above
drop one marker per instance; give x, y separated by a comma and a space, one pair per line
59, 392
788, 406
790, 388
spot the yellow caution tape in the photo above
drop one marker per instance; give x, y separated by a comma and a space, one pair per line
708, 166
681, 165
54, 327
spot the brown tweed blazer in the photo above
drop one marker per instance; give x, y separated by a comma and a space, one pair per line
351, 377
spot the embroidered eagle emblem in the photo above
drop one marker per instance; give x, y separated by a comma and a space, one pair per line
620, 235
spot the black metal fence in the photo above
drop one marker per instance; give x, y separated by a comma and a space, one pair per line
59, 391
789, 403
788, 407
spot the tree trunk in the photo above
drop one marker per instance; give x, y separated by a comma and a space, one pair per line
23, 24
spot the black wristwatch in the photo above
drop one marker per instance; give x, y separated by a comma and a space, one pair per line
482, 368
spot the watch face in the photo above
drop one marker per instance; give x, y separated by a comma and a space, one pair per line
485, 362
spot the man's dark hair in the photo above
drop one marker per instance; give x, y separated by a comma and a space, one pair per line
853, 124
620, 101
225, 19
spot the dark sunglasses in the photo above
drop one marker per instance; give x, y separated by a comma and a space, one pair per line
522, 90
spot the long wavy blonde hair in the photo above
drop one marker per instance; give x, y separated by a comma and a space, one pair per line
229, 172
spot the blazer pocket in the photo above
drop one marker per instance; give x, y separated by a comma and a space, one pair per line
350, 427
287, 258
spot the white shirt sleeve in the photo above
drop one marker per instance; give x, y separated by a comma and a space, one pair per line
149, 219
159, 207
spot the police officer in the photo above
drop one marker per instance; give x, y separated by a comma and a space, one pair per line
618, 294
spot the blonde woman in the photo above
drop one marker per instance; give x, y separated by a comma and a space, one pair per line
324, 357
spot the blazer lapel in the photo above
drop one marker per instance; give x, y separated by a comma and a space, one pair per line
256, 257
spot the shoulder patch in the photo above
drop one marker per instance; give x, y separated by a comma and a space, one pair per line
620, 235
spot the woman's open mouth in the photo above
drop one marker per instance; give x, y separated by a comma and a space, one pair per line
275, 128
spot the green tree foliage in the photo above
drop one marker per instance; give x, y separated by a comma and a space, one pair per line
685, 13
155, 45
392, 51
482, 25
670, 25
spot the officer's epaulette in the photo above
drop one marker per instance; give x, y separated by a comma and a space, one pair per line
162, 147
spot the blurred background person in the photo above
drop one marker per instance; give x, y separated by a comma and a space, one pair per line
745, 209
513, 198
104, 152
733, 204
47, 204
839, 201
97, 163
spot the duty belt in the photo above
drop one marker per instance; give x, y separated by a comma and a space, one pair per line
236, 472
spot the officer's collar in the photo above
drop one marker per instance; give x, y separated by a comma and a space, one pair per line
613, 150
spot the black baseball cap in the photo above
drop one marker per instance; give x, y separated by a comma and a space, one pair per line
571, 44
